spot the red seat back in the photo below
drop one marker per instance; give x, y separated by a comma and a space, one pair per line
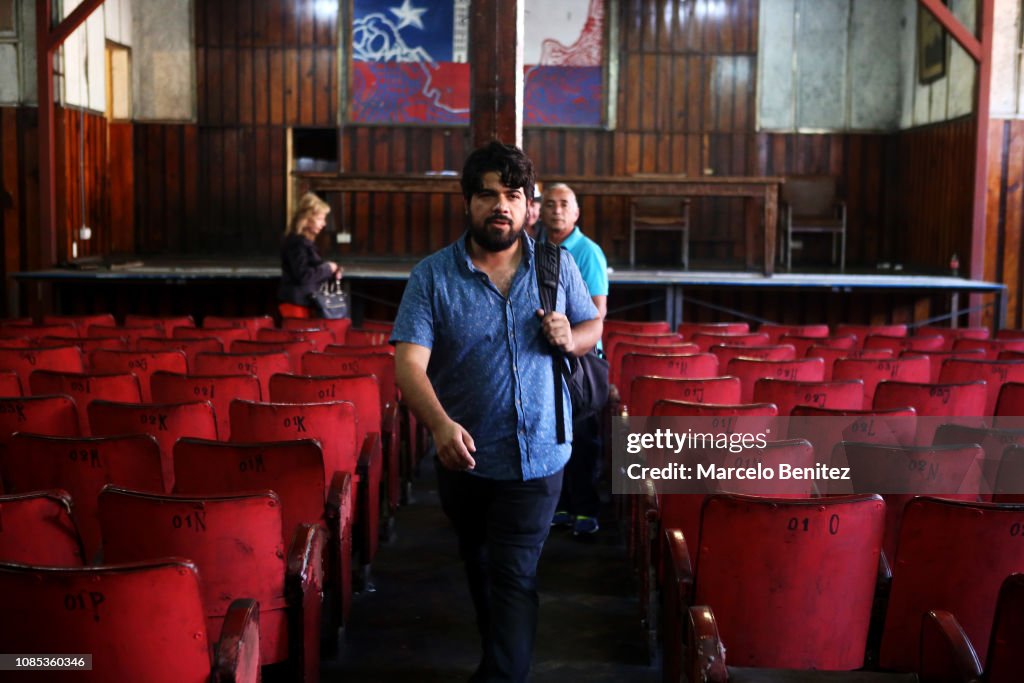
901, 472
995, 373
950, 335
82, 466
333, 424
10, 385
773, 587
951, 556
37, 332
632, 327
863, 331
827, 427
897, 345
132, 333
142, 364
219, 390
168, 422
85, 387
1005, 654
190, 347
26, 361
726, 352
622, 380
234, 540
367, 337
937, 358
907, 369
705, 340
225, 335
687, 330
1011, 400
802, 344
360, 390
263, 365
250, 323
292, 469
51, 415
991, 347
645, 391
164, 325
338, 326
335, 363
776, 332
139, 622
319, 338
787, 394
831, 354
294, 349
749, 370
670, 365
37, 528
80, 322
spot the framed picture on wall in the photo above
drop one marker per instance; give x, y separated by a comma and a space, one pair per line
409, 62
931, 47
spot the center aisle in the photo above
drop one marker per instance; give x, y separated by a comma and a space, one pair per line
419, 625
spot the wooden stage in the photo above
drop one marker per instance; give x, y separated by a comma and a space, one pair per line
167, 286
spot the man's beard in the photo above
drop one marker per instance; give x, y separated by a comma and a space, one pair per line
494, 239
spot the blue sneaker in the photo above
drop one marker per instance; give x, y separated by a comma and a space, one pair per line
561, 518
585, 525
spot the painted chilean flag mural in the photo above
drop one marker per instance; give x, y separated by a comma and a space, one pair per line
409, 62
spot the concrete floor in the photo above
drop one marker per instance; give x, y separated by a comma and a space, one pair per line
418, 625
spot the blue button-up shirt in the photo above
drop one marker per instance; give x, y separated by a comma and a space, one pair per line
490, 363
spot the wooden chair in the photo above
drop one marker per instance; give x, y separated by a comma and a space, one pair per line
660, 214
810, 205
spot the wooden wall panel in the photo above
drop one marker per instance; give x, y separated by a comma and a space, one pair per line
1005, 215
167, 177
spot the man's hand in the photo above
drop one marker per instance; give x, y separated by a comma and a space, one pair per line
557, 330
454, 445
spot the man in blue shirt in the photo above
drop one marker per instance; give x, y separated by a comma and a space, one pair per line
579, 503
473, 361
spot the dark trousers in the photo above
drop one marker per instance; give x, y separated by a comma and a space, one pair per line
502, 526
579, 490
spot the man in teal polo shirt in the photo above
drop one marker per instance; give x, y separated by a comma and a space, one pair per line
579, 502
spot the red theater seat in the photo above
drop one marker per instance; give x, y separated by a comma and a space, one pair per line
750, 370
85, 387
142, 364
82, 466
772, 589
219, 390
37, 528
237, 543
909, 369
645, 391
263, 364
295, 471
952, 556
141, 622
167, 422
787, 394
26, 361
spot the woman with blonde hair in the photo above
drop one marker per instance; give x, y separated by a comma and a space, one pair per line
302, 268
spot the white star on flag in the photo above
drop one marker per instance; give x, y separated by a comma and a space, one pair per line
408, 15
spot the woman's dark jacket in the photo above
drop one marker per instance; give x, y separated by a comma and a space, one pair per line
302, 270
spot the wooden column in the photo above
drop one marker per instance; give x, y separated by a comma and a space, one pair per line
980, 49
48, 41
496, 71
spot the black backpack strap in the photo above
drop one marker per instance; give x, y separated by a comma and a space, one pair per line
547, 258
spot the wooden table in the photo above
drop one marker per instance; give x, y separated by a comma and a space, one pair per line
648, 185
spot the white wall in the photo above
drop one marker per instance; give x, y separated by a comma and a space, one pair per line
849, 65
163, 61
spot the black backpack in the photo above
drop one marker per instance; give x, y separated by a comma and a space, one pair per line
587, 375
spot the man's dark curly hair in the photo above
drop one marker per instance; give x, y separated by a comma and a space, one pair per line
508, 161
